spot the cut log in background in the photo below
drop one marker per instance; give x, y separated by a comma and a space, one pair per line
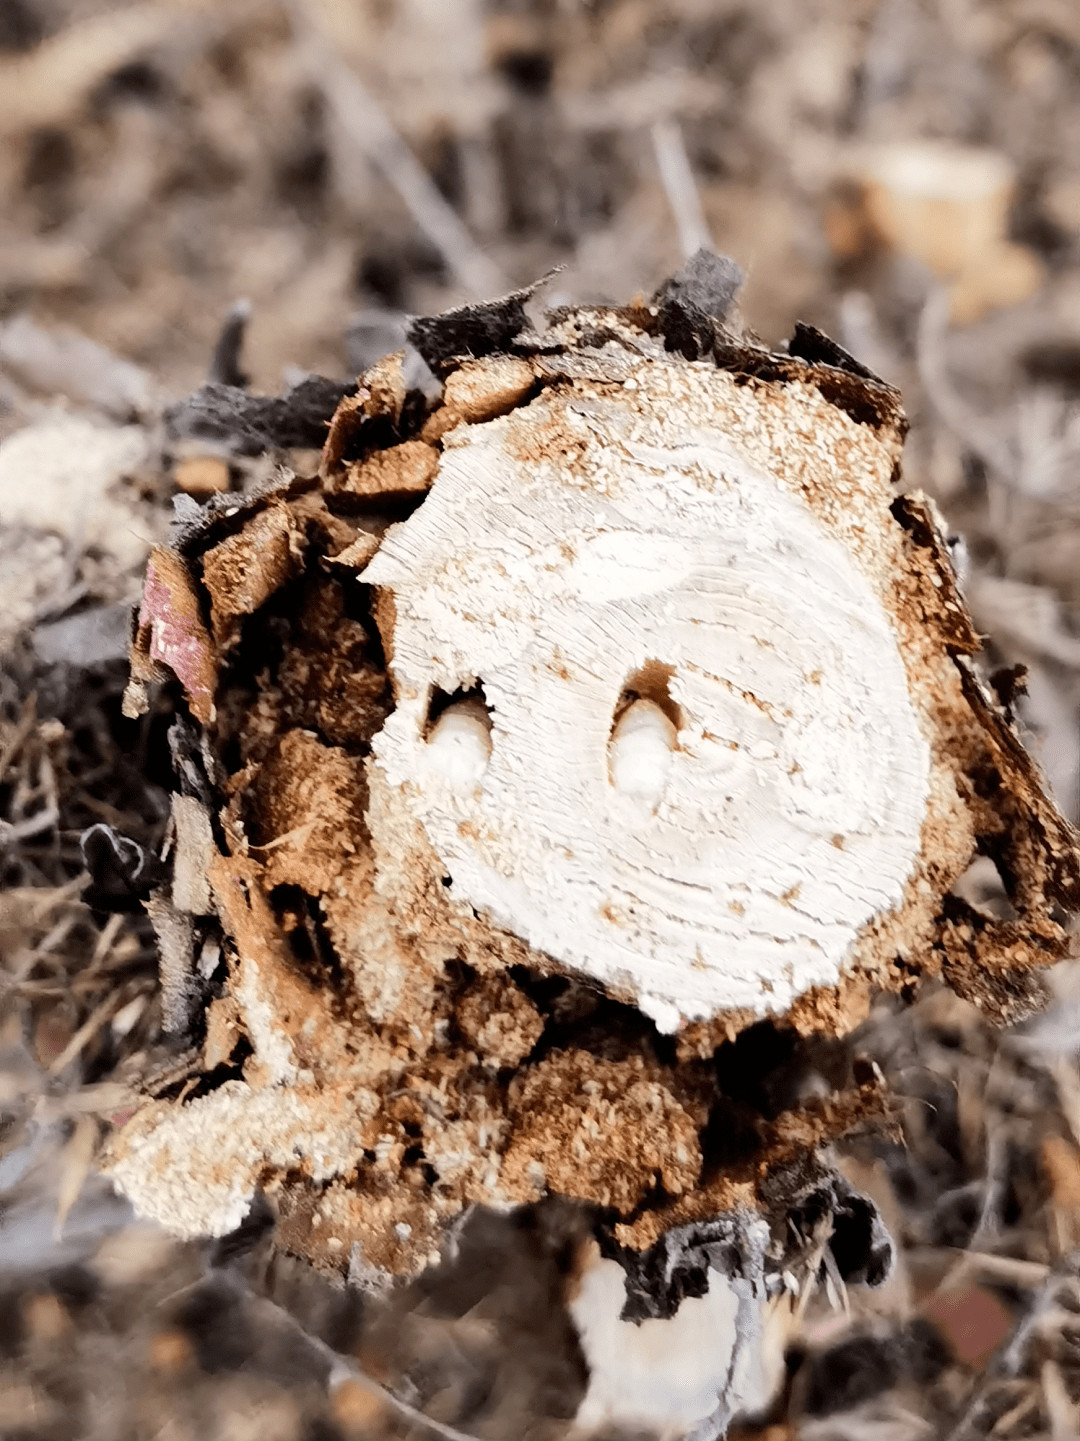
565, 763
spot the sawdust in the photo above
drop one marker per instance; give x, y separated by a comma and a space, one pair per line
304, 810
605, 1131
500, 1021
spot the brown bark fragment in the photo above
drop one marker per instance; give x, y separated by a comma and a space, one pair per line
480, 390
940, 599
406, 469
345, 425
243, 572
385, 384
306, 812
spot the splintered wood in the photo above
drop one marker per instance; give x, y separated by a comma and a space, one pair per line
560, 730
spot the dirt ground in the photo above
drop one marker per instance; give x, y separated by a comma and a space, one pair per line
904, 174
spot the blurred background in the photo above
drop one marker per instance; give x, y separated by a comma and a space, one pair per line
904, 174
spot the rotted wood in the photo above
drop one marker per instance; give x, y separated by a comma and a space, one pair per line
601, 706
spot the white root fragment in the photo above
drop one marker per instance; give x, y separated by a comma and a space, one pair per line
686, 1372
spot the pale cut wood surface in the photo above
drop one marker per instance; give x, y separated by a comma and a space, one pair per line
607, 543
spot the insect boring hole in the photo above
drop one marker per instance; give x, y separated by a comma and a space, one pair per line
644, 733
303, 927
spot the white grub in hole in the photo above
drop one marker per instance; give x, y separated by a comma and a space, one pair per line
459, 743
639, 753
644, 734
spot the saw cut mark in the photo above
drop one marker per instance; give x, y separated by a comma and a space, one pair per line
562, 550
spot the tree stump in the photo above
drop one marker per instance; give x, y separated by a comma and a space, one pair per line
563, 768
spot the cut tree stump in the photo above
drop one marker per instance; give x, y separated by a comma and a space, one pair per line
563, 769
